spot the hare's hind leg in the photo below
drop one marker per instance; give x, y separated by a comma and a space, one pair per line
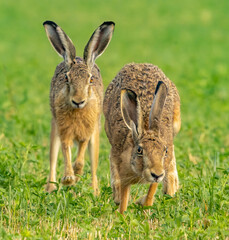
176, 118
93, 148
171, 182
54, 149
79, 162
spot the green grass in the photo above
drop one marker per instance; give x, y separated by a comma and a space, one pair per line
189, 41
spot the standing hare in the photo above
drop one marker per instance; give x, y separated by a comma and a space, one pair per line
142, 111
76, 97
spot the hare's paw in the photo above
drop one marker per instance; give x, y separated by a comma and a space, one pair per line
141, 201
50, 187
68, 180
144, 201
171, 183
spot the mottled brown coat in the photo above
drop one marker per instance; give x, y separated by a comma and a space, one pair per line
76, 124
76, 97
141, 79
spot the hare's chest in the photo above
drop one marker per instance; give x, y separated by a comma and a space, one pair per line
77, 126
82, 128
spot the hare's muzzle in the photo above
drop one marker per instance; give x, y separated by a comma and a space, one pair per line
157, 177
78, 104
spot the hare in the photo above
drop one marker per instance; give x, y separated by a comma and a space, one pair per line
76, 97
142, 116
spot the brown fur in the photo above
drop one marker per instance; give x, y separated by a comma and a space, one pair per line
142, 79
76, 97
76, 124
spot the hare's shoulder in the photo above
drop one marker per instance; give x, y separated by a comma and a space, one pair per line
97, 78
58, 79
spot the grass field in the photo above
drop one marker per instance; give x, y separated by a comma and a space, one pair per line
189, 41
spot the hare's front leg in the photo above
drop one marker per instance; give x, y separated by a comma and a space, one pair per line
125, 193
69, 177
79, 162
147, 200
94, 157
54, 149
171, 182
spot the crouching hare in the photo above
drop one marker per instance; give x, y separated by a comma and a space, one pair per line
76, 97
142, 112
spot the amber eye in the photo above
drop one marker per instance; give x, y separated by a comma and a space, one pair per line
140, 151
91, 80
66, 77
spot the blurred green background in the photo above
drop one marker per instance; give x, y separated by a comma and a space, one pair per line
189, 41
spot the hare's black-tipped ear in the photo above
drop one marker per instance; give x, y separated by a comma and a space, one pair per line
131, 111
60, 41
157, 106
98, 43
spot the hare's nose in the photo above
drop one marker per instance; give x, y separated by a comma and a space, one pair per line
156, 177
78, 104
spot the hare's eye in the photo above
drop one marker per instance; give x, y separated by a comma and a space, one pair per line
66, 77
91, 79
140, 151
166, 151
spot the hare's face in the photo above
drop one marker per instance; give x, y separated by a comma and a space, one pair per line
149, 150
147, 159
78, 76
79, 82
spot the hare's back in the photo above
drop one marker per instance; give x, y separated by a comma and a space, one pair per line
142, 79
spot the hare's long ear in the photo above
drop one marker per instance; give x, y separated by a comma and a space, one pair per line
131, 112
60, 42
157, 106
98, 43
